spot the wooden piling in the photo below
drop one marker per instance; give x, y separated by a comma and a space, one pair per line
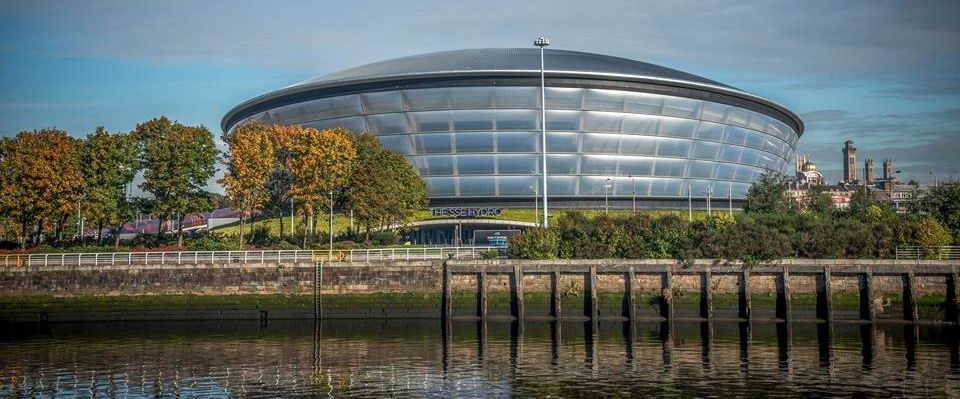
783, 295
592, 309
867, 310
516, 292
666, 295
824, 296
744, 305
555, 297
482, 294
630, 295
952, 306
909, 297
446, 299
706, 295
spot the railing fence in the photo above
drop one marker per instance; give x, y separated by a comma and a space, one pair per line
938, 253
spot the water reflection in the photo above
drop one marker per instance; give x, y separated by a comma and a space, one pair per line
480, 358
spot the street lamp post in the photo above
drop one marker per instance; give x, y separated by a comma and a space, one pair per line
606, 190
331, 226
709, 193
536, 203
543, 42
634, 178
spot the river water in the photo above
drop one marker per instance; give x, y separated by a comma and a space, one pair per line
416, 358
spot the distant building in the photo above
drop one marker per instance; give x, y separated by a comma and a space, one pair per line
849, 163
868, 171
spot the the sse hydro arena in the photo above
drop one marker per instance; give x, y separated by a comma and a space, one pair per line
469, 121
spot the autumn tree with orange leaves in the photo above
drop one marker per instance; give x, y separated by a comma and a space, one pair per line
249, 164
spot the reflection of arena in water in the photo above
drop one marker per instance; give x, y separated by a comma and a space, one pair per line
469, 122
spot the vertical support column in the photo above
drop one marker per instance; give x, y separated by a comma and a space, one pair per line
783, 295
592, 310
706, 295
745, 306
952, 307
909, 300
482, 294
630, 295
555, 310
516, 293
446, 300
824, 297
666, 295
867, 310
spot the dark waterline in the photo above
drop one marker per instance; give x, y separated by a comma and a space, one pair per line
366, 358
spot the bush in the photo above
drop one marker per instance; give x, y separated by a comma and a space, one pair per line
535, 244
384, 238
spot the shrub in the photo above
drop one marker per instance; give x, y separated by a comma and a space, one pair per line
535, 244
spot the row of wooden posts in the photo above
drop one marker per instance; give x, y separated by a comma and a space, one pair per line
823, 275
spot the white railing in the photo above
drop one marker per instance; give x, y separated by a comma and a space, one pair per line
938, 253
231, 257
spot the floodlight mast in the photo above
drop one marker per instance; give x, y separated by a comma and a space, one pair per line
543, 42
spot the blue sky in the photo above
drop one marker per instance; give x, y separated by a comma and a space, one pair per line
885, 74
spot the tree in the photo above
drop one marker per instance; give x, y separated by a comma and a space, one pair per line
278, 184
941, 202
110, 162
769, 195
320, 163
249, 161
41, 180
819, 201
177, 160
384, 189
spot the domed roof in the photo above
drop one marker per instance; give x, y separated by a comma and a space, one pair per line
509, 60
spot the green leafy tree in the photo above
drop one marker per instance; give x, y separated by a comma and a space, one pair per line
535, 244
819, 201
178, 161
861, 202
110, 162
383, 189
320, 163
941, 202
249, 162
769, 195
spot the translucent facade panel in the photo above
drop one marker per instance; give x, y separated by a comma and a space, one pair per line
441, 186
517, 97
643, 103
472, 97
386, 124
564, 98
594, 143
736, 135
474, 164
725, 171
636, 166
562, 142
517, 142
518, 164
324, 108
426, 99
676, 127
713, 112
666, 187
602, 121
669, 167
681, 107
431, 121
755, 140
744, 173
562, 185
710, 131
706, 150
596, 185
603, 100
674, 148
474, 142
478, 186
730, 153
433, 143
749, 157
353, 123
399, 143
473, 120
638, 145
517, 120
640, 124
699, 188
517, 186
563, 120
598, 165
737, 116
562, 164
382, 102
434, 165
701, 169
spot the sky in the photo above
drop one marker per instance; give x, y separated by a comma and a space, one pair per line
885, 74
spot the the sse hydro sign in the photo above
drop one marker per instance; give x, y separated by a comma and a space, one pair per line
465, 212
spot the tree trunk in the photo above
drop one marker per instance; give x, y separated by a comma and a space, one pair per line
180, 231
241, 230
99, 232
23, 235
305, 232
280, 214
116, 237
160, 229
